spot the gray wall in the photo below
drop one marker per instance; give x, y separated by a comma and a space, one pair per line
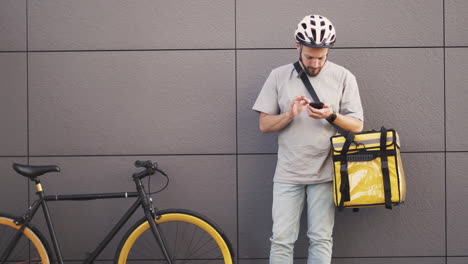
94, 85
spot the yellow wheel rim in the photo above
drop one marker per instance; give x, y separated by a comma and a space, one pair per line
181, 218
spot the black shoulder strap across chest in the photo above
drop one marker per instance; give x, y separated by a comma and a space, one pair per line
303, 75
305, 80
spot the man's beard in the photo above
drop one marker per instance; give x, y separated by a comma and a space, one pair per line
309, 70
313, 71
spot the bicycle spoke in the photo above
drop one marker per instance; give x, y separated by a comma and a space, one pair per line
201, 245
188, 254
175, 241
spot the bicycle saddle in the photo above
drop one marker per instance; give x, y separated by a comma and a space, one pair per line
34, 171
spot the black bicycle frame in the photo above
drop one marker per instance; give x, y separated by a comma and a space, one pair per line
42, 201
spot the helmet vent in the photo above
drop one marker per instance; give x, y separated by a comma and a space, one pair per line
322, 23
312, 22
313, 34
330, 27
304, 25
322, 34
301, 36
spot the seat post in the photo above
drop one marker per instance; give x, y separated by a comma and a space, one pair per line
38, 185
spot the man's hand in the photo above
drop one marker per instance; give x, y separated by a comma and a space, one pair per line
315, 113
298, 104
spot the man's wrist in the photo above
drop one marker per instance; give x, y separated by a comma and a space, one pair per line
289, 115
331, 118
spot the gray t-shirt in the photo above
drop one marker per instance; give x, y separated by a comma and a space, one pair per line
304, 155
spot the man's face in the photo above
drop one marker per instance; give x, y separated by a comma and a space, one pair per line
313, 59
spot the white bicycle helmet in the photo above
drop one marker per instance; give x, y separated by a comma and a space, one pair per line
315, 31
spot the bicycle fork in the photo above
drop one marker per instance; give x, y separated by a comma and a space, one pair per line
150, 214
159, 238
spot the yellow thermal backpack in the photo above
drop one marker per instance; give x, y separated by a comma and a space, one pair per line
367, 169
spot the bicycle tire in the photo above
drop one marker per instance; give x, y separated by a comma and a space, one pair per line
182, 229
32, 246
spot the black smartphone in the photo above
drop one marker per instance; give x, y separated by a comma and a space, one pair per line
316, 105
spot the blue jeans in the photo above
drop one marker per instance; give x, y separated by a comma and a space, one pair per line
288, 202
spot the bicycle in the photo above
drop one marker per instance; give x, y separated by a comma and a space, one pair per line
170, 236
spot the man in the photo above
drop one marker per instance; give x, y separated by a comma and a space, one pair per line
304, 168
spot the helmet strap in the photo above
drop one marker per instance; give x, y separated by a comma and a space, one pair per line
300, 54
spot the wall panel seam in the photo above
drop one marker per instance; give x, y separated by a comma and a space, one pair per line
445, 131
195, 154
28, 187
232, 49
237, 132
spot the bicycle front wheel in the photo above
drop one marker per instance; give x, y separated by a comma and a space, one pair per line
30, 248
189, 238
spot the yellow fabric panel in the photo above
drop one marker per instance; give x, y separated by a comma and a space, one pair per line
401, 174
367, 141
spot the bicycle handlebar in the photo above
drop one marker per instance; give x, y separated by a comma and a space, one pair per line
143, 163
150, 168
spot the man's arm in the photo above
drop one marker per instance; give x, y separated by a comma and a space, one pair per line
345, 122
349, 123
271, 123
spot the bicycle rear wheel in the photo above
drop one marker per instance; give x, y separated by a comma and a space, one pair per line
31, 247
189, 237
